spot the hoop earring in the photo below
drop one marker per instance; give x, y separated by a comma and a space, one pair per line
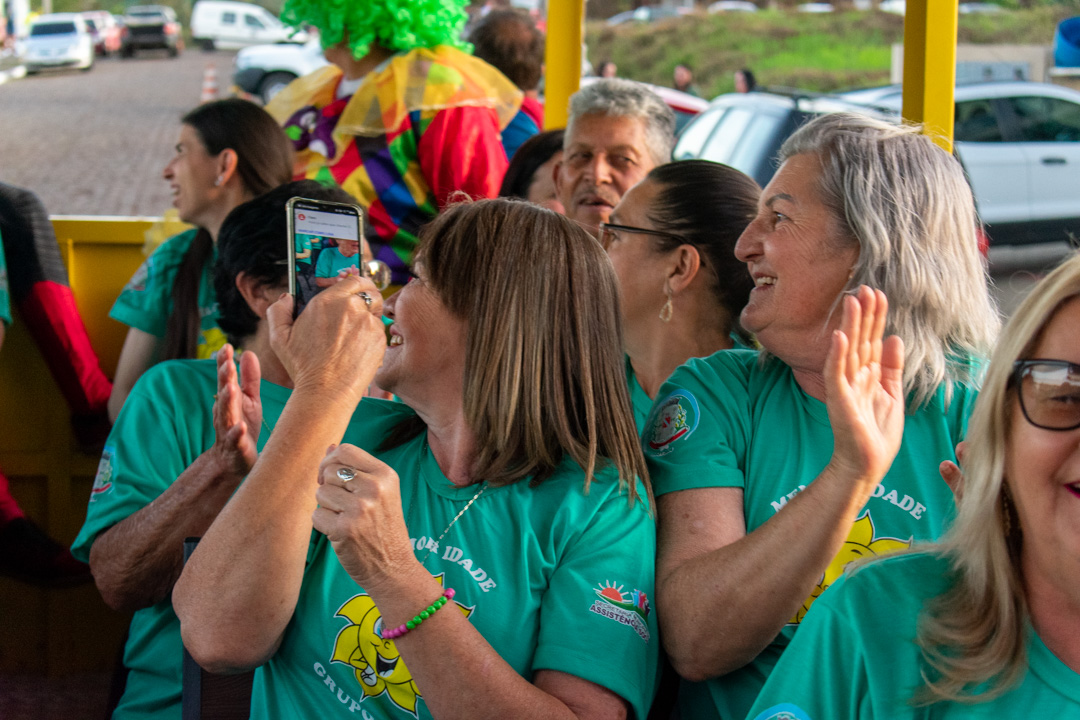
667, 310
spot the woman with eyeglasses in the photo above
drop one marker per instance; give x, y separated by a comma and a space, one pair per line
672, 242
986, 622
775, 469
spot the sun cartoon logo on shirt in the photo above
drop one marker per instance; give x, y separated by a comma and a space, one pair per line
376, 663
861, 543
210, 341
631, 608
673, 418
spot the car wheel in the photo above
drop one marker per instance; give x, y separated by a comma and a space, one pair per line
274, 83
207, 45
173, 51
127, 52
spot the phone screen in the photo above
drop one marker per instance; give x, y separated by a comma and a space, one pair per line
324, 245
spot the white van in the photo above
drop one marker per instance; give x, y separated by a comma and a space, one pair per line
231, 25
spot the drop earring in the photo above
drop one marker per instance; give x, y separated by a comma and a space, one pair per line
667, 310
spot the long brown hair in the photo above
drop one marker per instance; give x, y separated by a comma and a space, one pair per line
544, 369
264, 161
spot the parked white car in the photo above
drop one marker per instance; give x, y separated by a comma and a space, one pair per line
727, 6
263, 70
1019, 143
58, 40
232, 25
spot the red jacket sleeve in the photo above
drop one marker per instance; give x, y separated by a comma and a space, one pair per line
461, 150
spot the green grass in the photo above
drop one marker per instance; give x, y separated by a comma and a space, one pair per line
824, 52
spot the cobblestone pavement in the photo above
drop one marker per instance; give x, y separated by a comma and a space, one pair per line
95, 143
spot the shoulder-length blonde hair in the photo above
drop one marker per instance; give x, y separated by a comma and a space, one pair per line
544, 370
975, 632
906, 203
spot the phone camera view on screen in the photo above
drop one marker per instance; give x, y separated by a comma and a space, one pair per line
326, 247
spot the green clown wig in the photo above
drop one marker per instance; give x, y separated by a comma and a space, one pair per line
400, 25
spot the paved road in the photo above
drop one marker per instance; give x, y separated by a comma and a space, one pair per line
94, 143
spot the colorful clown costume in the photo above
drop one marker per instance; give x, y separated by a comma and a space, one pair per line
421, 128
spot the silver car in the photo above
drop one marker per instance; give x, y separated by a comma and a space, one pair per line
58, 40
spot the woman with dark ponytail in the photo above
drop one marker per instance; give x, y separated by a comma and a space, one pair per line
672, 242
229, 152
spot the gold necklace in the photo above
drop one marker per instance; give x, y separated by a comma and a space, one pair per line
432, 546
421, 481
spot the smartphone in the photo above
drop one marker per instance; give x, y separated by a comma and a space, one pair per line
324, 242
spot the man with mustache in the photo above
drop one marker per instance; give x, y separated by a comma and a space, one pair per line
618, 130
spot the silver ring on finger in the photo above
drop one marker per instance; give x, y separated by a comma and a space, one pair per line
345, 474
367, 299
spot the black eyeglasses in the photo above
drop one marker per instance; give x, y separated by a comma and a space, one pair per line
608, 232
1049, 393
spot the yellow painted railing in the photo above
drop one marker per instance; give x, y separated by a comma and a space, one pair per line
930, 66
562, 58
63, 631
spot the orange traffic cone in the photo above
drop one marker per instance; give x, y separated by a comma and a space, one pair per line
209, 84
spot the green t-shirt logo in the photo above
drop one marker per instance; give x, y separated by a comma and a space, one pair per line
103, 478
630, 609
673, 419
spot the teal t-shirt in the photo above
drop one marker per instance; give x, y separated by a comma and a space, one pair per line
5, 296
163, 427
331, 262
553, 579
308, 246
145, 302
731, 421
856, 657
639, 400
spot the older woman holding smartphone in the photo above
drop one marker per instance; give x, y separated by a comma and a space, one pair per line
984, 624
484, 547
768, 467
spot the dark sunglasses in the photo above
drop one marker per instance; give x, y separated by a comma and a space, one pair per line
1049, 392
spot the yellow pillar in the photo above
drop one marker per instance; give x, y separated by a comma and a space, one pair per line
562, 58
930, 66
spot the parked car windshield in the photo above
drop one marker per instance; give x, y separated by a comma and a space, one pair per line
53, 28
1046, 119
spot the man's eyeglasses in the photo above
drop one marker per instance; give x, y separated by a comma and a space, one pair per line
1049, 393
609, 232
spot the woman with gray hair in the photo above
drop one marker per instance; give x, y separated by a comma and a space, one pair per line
985, 621
773, 470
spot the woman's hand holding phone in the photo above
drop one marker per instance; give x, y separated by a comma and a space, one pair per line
335, 346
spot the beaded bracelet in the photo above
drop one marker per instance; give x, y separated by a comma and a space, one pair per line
424, 615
